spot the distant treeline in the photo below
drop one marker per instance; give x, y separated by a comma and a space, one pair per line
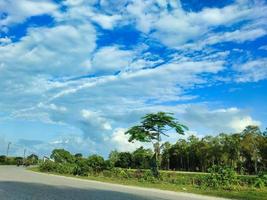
245, 152
30, 160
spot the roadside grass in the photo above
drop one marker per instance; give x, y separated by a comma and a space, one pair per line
245, 193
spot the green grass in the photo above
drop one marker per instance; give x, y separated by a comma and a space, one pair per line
246, 193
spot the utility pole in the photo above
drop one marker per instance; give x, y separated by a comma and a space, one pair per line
24, 154
8, 147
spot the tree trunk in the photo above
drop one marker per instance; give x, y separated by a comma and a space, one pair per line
155, 168
188, 162
181, 162
156, 160
168, 163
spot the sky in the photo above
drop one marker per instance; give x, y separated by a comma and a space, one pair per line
75, 74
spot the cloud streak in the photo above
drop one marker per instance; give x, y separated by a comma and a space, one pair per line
68, 74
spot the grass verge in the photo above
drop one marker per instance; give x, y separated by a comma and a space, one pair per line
245, 193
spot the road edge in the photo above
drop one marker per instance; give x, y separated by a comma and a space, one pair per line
157, 190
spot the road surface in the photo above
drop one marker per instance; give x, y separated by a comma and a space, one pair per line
16, 183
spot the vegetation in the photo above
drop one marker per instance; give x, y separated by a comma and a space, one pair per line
212, 164
152, 127
30, 160
215, 183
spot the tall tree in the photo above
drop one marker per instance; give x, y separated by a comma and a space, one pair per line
113, 157
165, 158
125, 160
153, 127
32, 159
96, 163
142, 158
250, 144
62, 156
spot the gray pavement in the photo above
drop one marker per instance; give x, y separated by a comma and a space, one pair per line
16, 183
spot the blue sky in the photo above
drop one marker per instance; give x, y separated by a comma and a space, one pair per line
76, 74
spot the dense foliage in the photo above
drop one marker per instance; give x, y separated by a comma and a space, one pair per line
30, 160
223, 158
153, 126
245, 152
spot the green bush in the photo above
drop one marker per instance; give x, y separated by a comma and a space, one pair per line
19, 161
123, 174
96, 163
11, 161
2, 159
138, 174
247, 180
81, 168
221, 177
66, 168
148, 176
62, 156
261, 180
48, 166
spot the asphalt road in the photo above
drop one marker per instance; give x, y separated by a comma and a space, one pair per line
16, 183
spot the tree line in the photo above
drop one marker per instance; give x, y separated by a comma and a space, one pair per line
27, 161
246, 152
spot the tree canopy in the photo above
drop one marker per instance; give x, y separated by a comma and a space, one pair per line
153, 126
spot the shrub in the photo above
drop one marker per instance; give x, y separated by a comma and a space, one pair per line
96, 163
138, 174
48, 166
11, 161
123, 174
221, 177
81, 168
108, 165
261, 180
66, 168
107, 173
148, 176
62, 156
19, 161
32, 159
3, 159
124, 160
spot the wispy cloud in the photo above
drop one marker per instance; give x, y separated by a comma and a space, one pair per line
66, 73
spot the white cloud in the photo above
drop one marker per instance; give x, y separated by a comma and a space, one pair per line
59, 75
238, 36
111, 59
73, 143
120, 141
106, 21
252, 71
170, 24
53, 107
95, 120
218, 120
239, 123
43, 55
5, 40
19, 10
48, 49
